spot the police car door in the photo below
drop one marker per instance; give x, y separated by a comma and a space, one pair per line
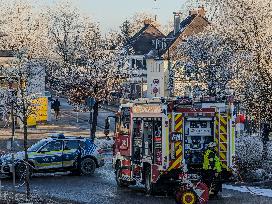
71, 153
50, 156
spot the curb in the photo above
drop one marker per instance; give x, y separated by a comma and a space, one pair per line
111, 109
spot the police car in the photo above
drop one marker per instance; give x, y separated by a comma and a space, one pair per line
57, 153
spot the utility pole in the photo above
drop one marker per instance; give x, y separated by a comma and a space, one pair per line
142, 86
155, 8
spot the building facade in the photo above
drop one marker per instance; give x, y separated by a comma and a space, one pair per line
141, 43
162, 80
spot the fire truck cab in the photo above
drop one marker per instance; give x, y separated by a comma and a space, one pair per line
155, 137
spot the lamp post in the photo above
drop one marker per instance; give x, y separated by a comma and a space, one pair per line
90, 103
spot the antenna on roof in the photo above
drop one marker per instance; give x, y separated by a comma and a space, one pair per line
155, 8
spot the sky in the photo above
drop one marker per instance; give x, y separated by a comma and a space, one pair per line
111, 13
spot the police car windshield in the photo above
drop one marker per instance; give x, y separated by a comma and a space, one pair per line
35, 147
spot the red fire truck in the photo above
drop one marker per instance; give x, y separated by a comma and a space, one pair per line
155, 137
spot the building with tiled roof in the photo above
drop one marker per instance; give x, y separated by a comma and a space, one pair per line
162, 58
141, 44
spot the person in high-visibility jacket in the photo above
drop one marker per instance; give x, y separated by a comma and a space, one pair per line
212, 168
211, 160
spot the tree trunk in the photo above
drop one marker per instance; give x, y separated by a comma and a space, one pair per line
94, 121
25, 150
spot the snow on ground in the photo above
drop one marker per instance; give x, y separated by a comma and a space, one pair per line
104, 143
251, 190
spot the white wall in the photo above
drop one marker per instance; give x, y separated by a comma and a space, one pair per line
137, 72
157, 78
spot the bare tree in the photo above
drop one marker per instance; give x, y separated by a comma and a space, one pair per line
23, 34
207, 59
244, 27
86, 63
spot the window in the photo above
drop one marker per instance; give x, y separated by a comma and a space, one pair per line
133, 63
1, 69
84, 145
71, 144
52, 146
35, 147
125, 120
144, 64
139, 64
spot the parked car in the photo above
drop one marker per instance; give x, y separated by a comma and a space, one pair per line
57, 153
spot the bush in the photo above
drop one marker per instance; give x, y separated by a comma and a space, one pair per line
249, 151
269, 151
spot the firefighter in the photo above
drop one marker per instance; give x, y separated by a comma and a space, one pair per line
211, 170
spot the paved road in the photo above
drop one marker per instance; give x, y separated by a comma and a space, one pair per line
101, 188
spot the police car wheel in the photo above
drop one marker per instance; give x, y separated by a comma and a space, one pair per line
87, 166
20, 170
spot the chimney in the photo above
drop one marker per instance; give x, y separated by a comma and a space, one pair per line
147, 22
177, 16
201, 11
198, 11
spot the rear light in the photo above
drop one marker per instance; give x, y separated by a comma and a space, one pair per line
100, 151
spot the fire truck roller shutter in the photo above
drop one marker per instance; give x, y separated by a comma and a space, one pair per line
176, 163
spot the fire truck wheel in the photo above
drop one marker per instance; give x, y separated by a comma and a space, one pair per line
119, 181
20, 170
149, 186
186, 197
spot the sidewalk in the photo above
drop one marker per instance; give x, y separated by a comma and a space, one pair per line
67, 124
